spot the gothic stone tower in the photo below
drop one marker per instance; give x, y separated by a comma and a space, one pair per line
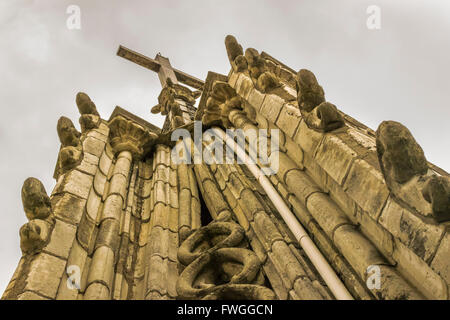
350, 213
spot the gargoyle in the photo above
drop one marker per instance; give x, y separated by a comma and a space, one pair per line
71, 152
37, 206
317, 113
407, 175
90, 117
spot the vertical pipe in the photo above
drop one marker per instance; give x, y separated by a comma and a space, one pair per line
320, 263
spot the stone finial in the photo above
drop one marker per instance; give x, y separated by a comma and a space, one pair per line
71, 152
405, 169
36, 202
68, 135
317, 113
309, 93
235, 54
218, 267
90, 117
127, 135
399, 154
85, 104
222, 100
37, 206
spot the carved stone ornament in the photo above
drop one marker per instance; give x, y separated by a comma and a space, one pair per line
127, 135
407, 175
218, 266
318, 114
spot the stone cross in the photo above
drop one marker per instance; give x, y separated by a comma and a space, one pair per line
162, 66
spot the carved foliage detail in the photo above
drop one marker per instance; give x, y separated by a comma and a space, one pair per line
317, 113
406, 172
219, 267
34, 235
222, 100
126, 135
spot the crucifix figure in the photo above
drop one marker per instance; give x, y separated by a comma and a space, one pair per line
175, 101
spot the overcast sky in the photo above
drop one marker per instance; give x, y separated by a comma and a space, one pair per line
399, 72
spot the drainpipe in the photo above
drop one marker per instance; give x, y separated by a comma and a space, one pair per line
327, 273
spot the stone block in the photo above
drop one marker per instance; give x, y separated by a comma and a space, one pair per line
256, 98
45, 275
97, 291
358, 251
77, 183
364, 180
105, 163
271, 107
308, 139
119, 185
266, 230
61, 239
421, 237
93, 146
112, 207
416, 271
99, 183
326, 213
289, 119
157, 275
335, 157
68, 207
102, 267
440, 262
93, 205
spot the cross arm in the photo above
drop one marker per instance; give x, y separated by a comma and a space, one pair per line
154, 65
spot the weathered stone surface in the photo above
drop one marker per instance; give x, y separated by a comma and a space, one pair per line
440, 261
419, 273
86, 233
105, 163
400, 155
307, 138
103, 271
363, 179
421, 237
359, 252
335, 157
113, 207
76, 183
61, 239
271, 107
36, 202
327, 214
68, 135
99, 183
97, 291
289, 119
45, 274
406, 172
108, 235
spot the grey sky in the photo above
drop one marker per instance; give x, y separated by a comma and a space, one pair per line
399, 72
